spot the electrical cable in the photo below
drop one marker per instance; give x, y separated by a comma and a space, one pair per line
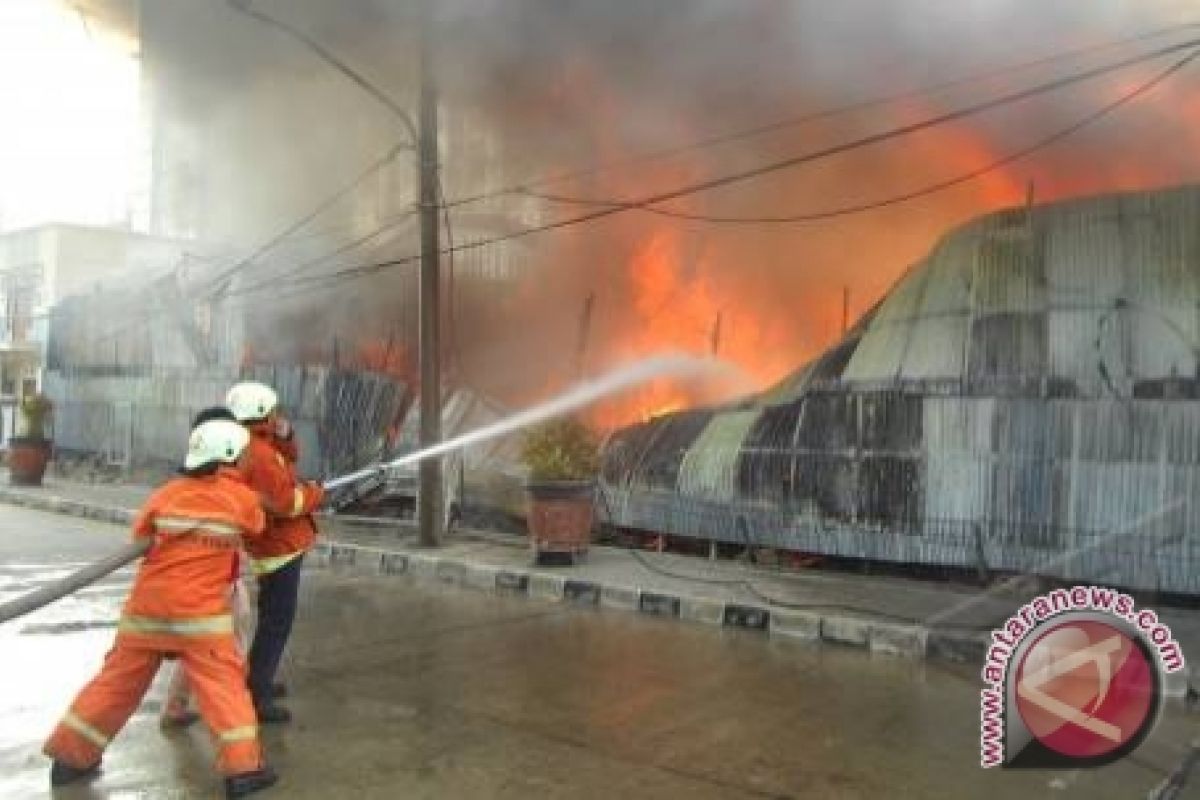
915, 194
375, 92
359, 271
351, 273
817, 116
354, 244
320, 209
612, 206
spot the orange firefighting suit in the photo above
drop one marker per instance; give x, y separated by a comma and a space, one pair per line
178, 608
269, 468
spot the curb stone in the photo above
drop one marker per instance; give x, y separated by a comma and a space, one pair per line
877, 636
621, 598
957, 646
897, 639
706, 612
547, 587
853, 631
481, 576
800, 625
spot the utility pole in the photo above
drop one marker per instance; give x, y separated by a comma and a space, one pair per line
429, 498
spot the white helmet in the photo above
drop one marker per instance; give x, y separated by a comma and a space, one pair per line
250, 401
219, 440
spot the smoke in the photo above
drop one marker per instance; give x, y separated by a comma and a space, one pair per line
542, 87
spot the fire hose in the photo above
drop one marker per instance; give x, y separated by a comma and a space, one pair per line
578, 397
73, 582
88, 575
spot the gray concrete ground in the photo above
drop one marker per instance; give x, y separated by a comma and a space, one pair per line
911, 618
405, 688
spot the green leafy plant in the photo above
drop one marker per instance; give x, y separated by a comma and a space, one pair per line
35, 412
561, 450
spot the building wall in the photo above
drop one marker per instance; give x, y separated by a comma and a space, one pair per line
103, 274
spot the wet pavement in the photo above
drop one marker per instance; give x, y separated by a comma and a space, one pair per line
405, 689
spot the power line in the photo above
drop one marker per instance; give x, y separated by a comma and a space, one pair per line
354, 244
244, 7
817, 116
306, 285
613, 207
618, 205
924, 191
334, 199
314, 283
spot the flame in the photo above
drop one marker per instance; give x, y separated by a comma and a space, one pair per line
681, 302
387, 357
769, 299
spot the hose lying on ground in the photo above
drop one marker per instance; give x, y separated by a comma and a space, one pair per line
73, 582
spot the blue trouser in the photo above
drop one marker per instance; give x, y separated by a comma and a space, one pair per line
277, 593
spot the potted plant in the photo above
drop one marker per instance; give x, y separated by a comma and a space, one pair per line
563, 458
29, 450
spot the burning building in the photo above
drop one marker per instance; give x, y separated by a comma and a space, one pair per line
1024, 399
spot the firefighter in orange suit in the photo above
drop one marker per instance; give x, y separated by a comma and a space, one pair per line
179, 609
269, 469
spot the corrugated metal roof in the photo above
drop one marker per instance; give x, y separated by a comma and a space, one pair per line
1026, 400
1100, 293
709, 468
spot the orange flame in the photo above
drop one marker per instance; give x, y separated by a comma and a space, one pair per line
682, 304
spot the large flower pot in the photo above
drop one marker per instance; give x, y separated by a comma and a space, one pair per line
27, 460
560, 518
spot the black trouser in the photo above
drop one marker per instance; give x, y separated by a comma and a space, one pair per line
277, 593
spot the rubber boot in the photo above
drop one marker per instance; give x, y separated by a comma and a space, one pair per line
248, 783
269, 713
62, 774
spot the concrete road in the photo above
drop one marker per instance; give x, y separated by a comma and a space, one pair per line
406, 691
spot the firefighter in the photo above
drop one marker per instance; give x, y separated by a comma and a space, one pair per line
178, 609
177, 711
277, 557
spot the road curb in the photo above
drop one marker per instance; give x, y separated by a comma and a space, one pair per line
877, 635
62, 505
